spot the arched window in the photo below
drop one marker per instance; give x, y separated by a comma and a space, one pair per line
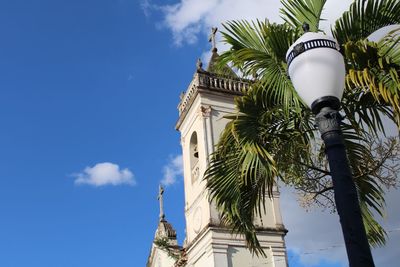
194, 157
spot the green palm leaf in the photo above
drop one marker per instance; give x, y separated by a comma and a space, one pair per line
374, 70
259, 48
298, 12
243, 171
364, 18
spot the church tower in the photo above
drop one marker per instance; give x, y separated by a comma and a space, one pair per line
164, 250
209, 97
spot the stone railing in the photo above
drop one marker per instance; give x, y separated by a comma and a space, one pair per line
213, 82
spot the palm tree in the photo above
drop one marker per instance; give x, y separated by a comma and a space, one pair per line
272, 136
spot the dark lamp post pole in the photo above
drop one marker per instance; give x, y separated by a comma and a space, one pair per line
317, 71
346, 199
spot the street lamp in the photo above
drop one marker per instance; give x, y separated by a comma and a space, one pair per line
317, 70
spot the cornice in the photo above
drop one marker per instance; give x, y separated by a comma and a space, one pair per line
207, 82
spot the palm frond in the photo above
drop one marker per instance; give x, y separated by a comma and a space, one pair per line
365, 17
243, 170
363, 111
259, 49
375, 233
373, 71
297, 12
237, 179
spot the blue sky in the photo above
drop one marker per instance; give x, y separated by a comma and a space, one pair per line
84, 82
88, 96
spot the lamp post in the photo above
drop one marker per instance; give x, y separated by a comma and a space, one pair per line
317, 70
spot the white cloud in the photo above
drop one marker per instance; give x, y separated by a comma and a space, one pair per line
388, 255
188, 19
146, 7
379, 34
105, 173
333, 10
316, 236
172, 170
313, 235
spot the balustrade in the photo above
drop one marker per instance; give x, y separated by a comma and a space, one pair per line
211, 81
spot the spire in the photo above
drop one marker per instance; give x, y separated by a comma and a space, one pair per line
212, 65
164, 229
212, 39
161, 200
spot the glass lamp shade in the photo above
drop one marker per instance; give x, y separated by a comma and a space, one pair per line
316, 69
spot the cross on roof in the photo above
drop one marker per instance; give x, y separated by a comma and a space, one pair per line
161, 200
212, 38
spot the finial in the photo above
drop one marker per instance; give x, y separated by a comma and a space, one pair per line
212, 39
160, 198
199, 64
306, 27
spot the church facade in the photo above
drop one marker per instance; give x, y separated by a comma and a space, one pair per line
209, 97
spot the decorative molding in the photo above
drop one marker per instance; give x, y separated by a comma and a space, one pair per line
219, 227
197, 220
212, 82
205, 111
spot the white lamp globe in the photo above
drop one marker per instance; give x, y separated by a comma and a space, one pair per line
317, 71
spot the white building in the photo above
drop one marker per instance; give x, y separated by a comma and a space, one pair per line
202, 108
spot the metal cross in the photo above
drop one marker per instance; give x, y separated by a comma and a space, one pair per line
160, 198
212, 38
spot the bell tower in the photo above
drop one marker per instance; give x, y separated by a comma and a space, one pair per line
209, 97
